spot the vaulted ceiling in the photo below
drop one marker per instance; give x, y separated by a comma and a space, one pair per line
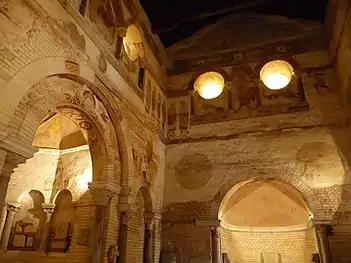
174, 20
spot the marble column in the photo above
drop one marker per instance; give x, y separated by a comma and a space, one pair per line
44, 242
12, 209
216, 245
149, 221
323, 237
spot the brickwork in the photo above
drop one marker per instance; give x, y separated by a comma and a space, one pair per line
190, 243
338, 29
248, 247
62, 57
136, 233
57, 42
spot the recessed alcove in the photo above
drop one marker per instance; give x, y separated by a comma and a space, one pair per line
266, 220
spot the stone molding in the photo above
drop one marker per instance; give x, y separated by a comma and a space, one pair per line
322, 221
48, 208
15, 146
279, 229
207, 223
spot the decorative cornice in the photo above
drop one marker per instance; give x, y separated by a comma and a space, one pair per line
252, 54
15, 146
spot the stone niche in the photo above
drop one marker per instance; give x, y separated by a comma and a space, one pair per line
266, 221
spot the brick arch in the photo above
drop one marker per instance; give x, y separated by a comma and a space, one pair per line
81, 73
311, 199
42, 99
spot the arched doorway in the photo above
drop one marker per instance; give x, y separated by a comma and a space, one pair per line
266, 221
139, 230
64, 118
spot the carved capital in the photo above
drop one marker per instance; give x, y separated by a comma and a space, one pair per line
126, 217
102, 196
48, 208
126, 191
143, 62
102, 192
149, 219
324, 231
121, 31
13, 207
216, 232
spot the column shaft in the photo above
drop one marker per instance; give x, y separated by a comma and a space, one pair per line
44, 242
148, 246
216, 245
322, 233
12, 210
123, 236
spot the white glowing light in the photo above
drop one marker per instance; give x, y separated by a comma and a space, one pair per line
209, 85
276, 74
85, 178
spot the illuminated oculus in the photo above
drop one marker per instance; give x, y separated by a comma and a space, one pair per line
276, 74
209, 85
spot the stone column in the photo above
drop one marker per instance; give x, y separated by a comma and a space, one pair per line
323, 237
156, 240
149, 221
102, 197
123, 237
2, 219
44, 242
3, 189
216, 245
12, 209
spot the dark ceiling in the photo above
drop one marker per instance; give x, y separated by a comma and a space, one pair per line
174, 20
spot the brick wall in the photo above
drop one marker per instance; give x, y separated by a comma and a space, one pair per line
340, 243
248, 247
135, 239
190, 243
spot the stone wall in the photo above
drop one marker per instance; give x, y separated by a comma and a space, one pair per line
246, 134
338, 31
66, 57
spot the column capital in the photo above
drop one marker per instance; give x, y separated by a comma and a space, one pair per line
149, 220
13, 207
122, 31
126, 217
143, 62
48, 207
324, 230
216, 232
102, 192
